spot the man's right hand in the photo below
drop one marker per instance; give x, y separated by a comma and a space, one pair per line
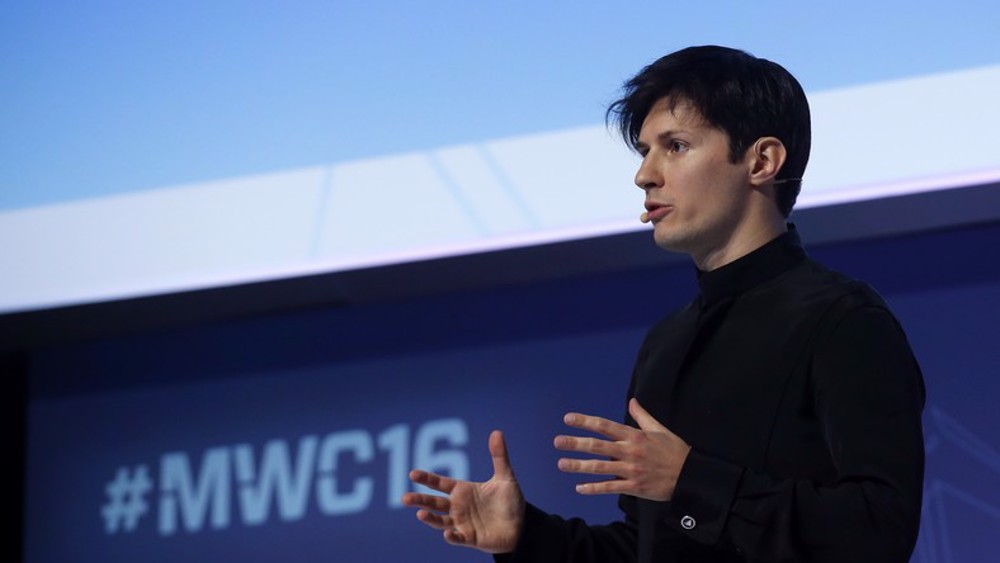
486, 516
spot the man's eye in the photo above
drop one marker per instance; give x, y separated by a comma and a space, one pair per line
677, 146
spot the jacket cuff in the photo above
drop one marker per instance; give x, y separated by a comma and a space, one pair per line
535, 540
702, 499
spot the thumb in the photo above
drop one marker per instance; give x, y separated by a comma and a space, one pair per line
501, 460
643, 418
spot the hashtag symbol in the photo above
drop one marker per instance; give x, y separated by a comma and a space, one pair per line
126, 499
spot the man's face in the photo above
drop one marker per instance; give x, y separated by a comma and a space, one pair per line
695, 197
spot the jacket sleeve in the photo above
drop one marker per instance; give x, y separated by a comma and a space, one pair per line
550, 538
868, 394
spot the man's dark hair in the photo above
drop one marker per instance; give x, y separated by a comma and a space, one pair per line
744, 96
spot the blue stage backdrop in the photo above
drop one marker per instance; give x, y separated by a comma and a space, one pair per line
289, 438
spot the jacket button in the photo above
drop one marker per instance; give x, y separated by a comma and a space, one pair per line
688, 523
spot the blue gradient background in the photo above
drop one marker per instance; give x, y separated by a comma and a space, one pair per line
107, 97
103, 98
515, 358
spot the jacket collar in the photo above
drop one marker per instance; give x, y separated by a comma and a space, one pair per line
757, 267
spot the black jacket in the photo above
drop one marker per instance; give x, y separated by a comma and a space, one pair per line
799, 394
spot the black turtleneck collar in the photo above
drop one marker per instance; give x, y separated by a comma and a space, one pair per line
753, 269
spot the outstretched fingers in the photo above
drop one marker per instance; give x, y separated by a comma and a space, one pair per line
434, 509
643, 418
611, 486
484, 516
502, 468
436, 503
454, 537
598, 425
433, 480
434, 520
591, 466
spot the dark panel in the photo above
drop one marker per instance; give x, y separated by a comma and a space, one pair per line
887, 217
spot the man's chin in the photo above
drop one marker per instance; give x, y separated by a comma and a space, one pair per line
672, 243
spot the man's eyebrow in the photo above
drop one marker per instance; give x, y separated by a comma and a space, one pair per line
660, 137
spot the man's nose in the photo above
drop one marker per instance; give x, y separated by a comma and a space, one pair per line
646, 177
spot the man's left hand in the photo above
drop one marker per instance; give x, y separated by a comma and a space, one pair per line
646, 461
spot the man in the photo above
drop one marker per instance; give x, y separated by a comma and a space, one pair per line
777, 416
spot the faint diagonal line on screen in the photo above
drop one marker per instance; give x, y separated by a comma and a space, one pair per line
934, 545
508, 186
928, 538
323, 207
962, 438
931, 441
941, 536
457, 194
944, 487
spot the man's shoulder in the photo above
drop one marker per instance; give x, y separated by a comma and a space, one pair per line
681, 315
808, 289
813, 280
813, 295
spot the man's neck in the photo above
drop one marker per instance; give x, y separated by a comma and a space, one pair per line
739, 245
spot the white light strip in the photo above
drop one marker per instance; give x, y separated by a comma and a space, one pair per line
524, 191
905, 187
499, 243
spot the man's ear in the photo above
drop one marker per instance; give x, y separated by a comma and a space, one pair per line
765, 159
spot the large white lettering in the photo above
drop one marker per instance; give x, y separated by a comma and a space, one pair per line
331, 501
181, 497
280, 479
277, 479
450, 461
